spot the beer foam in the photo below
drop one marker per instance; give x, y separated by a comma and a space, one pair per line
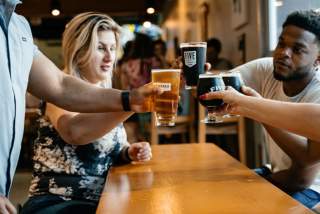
209, 75
193, 44
165, 70
233, 74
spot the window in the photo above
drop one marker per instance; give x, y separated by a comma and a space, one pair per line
279, 10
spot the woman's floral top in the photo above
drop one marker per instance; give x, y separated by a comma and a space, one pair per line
74, 172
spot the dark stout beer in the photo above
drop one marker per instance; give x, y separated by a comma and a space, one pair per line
210, 83
233, 79
193, 58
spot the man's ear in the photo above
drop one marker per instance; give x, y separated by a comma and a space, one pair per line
317, 62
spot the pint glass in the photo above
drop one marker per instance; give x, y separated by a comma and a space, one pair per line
234, 80
194, 59
166, 104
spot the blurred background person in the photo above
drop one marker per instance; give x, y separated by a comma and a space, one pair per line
160, 51
135, 71
139, 61
74, 151
214, 48
119, 78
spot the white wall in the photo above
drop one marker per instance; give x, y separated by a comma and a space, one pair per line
185, 22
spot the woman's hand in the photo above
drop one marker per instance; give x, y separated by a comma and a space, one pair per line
140, 151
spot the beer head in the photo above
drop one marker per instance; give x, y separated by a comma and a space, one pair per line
210, 83
193, 44
193, 58
166, 79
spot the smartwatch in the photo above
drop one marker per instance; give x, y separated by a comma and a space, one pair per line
125, 100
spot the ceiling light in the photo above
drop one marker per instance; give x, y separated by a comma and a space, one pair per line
55, 12
146, 24
55, 7
150, 6
150, 10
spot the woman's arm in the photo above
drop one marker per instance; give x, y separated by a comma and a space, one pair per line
83, 128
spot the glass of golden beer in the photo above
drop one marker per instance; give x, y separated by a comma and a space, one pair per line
166, 104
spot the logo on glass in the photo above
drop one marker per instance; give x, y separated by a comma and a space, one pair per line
190, 58
217, 88
164, 86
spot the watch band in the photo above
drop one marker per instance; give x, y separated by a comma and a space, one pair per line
125, 100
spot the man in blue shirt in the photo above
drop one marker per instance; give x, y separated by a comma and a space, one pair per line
25, 68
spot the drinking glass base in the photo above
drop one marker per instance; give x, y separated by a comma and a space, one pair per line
211, 121
165, 124
231, 116
190, 87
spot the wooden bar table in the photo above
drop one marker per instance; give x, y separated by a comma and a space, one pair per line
192, 178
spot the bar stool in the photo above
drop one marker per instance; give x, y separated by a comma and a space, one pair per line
230, 126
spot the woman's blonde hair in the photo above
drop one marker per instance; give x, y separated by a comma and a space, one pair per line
79, 38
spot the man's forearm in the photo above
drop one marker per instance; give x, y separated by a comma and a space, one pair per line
303, 151
295, 146
47, 82
302, 119
78, 96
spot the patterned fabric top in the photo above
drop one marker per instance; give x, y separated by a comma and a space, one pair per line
74, 172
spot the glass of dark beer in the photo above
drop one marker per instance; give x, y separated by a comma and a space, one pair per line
210, 83
194, 59
234, 80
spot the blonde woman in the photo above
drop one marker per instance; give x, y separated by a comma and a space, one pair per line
74, 151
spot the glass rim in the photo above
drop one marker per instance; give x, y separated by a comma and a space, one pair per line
165, 70
193, 44
231, 74
207, 75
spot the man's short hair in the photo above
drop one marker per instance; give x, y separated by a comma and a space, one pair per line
215, 43
307, 19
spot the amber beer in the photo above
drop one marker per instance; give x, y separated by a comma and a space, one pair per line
148, 104
166, 104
